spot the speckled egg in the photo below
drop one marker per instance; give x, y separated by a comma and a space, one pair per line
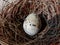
32, 24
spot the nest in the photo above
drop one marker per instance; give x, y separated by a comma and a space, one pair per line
13, 15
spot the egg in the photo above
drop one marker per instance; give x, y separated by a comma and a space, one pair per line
32, 24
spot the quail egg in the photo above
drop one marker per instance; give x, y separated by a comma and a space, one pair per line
32, 24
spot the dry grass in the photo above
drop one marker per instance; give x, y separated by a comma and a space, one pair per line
13, 15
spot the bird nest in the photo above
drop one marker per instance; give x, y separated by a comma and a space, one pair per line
13, 15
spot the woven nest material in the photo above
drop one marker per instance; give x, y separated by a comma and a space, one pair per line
13, 15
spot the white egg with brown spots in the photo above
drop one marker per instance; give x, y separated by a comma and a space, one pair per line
32, 24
